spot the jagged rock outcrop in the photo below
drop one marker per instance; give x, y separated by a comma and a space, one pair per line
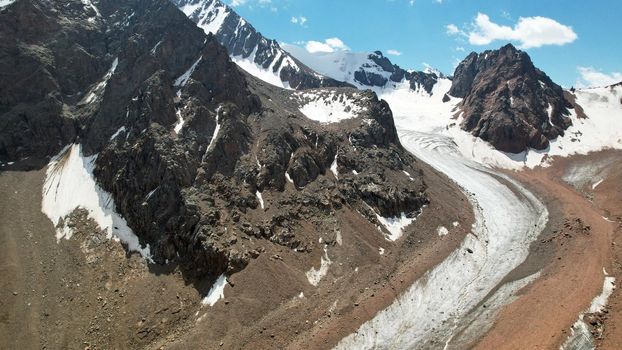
509, 102
366, 70
186, 142
383, 71
244, 42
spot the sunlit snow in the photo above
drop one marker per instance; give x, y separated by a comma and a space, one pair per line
4, 3
395, 225
217, 291
70, 184
580, 335
329, 107
260, 198
183, 79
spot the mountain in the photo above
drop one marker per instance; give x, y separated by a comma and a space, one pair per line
365, 70
191, 156
509, 102
293, 67
253, 52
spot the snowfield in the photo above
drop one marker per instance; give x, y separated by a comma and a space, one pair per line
270, 75
211, 17
69, 185
339, 65
329, 107
601, 130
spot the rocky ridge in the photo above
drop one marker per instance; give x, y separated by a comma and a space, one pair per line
244, 42
207, 164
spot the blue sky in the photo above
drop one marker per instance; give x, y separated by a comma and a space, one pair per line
579, 41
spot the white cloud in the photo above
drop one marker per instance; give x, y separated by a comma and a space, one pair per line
329, 45
592, 77
299, 20
394, 52
235, 3
529, 32
452, 29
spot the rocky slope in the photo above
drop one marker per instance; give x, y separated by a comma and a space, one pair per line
250, 49
509, 102
187, 145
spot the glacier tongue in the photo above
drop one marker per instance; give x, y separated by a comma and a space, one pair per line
508, 219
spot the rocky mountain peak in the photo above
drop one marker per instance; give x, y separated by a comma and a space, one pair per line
509, 102
208, 165
252, 51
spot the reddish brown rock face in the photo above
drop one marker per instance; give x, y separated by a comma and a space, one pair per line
508, 101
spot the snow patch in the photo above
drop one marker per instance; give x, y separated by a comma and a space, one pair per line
580, 335
260, 198
155, 47
217, 291
216, 129
442, 231
395, 225
269, 75
180, 121
117, 133
183, 79
4, 3
329, 106
333, 167
69, 185
96, 91
314, 276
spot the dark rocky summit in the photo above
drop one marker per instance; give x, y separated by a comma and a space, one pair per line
383, 72
186, 142
509, 102
242, 40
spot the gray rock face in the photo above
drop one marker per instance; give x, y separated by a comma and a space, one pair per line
184, 139
417, 80
509, 102
243, 41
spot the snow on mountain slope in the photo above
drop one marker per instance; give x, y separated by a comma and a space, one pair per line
4, 3
340, 65
329, 106
429, 114
364, 69
257, 55
69, 185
